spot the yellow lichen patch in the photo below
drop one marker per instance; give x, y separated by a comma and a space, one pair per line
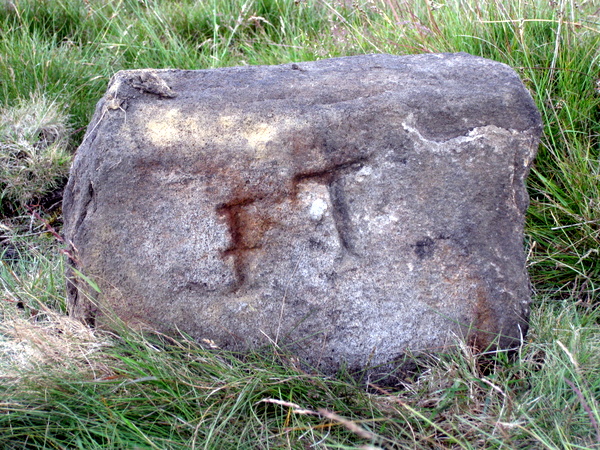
165, 129
256, 135
259, 135
228, 122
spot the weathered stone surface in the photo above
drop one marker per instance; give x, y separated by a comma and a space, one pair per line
354, 208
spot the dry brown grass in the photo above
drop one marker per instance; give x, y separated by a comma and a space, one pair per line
49, 342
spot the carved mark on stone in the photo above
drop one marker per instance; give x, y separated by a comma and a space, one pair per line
327, 175
341, 214
232, 212
247, 224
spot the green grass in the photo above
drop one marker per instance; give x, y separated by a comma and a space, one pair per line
87, 390
63, 385
34, 159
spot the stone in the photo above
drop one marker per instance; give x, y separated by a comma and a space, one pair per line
351, 210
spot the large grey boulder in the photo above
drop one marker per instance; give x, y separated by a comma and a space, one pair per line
352, 209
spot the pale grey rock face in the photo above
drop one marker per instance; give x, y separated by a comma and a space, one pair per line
352, 209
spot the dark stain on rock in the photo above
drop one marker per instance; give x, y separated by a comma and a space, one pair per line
316, 244
425, 248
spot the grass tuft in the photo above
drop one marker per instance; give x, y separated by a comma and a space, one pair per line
33, 151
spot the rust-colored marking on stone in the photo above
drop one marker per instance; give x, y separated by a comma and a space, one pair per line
232, 213
246, 230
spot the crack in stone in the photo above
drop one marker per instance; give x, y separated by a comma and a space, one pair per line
89, 197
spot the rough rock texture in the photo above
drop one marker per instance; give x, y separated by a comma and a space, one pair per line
353, 209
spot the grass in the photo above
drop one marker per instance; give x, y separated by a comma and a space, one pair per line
66, 386
33, 151
87, 390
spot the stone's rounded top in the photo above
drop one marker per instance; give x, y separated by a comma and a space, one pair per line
454, 92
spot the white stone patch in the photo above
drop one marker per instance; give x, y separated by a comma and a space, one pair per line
380, 223
318, 209
456, 144
315, 198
